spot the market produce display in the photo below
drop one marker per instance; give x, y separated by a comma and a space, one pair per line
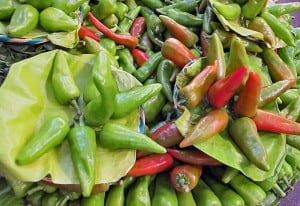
148, 102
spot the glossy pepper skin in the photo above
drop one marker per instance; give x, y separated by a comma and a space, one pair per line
176, 51
248, 100
222, 90
67, 6
178, 31
117, 136
185, 198
244, 133
96, 199
51, 134
24, 19
252, 8
208, 126
151, 164
97, 111
126, 60
6, 9
230, 11
280, 9
204, 195
184, 18
164, 193
116, 194
185, 5
82, 141
185, 177
63, 22
198, 87
105, 8
139, 56
128, 101
64, 85
138, 194
85, 31
126, 24
138, 27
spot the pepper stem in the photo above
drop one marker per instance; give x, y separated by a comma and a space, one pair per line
183, 182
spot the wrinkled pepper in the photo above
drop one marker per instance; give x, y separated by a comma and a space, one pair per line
117, 136
248, 100
24, 19
176, 51
99, 110
63, 22
197, 89
151, 164
6, 9
209, 125
64, 86
244, 133
82, 141
51, 134
193, 157
222, 90
164, 193
128, 101
185, 177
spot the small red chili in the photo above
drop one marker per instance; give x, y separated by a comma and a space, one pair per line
84, 31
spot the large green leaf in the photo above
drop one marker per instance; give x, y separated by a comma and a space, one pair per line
27, 99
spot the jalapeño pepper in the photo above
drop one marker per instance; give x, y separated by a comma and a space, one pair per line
52, 133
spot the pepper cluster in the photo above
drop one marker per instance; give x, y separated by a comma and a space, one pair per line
209, 78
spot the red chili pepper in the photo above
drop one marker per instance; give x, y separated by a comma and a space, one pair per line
270, 122
138, 26
176, 51
185, 177
151, 164
247, 102
208, 126
84, 31
198, 87
139, 56
193, 157
222, 90
124, 39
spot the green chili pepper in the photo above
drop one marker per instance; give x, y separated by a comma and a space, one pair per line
268, 183
35, 199
128, 101
110, 21
138, 193
96, 199
285, 173
104, 8
185, 198
51, 199
126, 59
153, 106
293, 157
184, 18
6, 9
207, 18
90, 91
204, 195
82, 141
237, 56
245, 135
165, 70
271, 199
229, 173
280, 9
8, 199
63, 22
279, 28
230, 11
143, 72
99, 110
252, 8
64, 85
125, 24
292, 110
67, 6
51, 134
94, 47
122, 10
116, 194
226, 195
216, 53
164, 193
287, 55
117, 136
185, 5
109, 45
247, 189
146, 44
288, 96
131, 4
85, 8
293, 140
24, 19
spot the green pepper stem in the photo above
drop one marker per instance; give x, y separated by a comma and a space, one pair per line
278, 191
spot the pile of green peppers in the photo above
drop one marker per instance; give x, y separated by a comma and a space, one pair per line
208, 70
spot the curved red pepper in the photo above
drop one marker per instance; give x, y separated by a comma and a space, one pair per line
84, 31
124, 39
247, 102
193, 157
222, 90
139, 56
177, 52
208, 126
151, 164
270, 122
138, 26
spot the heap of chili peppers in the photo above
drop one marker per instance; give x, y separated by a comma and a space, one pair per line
188, 56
